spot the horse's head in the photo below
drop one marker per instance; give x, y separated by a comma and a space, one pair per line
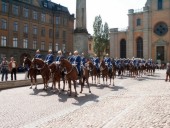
27, 61
53, 66
39, 62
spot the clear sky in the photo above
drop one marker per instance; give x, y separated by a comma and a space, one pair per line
114, 12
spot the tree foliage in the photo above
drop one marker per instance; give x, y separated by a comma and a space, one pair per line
101, 36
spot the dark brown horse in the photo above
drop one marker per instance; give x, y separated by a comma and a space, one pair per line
85, 76
105, 72
56, 76
94, 72
32, 72
44, 71
71, 74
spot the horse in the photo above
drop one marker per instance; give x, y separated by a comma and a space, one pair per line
94, 72
44, 71
105, 72
32, 72
71, 74
168, 73
85, 76
56, 75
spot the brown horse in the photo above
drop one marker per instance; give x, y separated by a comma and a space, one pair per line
85, 77
44, 71
71, 74
94, 72
105, 72
32, 72
56, 76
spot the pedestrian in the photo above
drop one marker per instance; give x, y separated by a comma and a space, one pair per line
4, 69
13, 68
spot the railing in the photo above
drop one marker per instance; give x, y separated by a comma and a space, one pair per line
138, 10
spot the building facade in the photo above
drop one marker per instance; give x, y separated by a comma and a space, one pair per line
28, 25
147, 35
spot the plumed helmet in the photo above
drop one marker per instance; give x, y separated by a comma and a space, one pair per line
76, 52
49, 50
59, 52
70, 53
95, 55
38, 50
107, 54
82, 54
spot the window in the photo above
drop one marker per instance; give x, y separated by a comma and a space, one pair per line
138, 22
15, 26
34, 44
25, 12
4, 24
63, 47
160, 4
140, 47
50, 33
43, 17
64, 35
35, 30
4, 7
90, 47
57, 34
43, 32
15, 9
35, 15
57, 20
65, 21
15, 42
161, 29
25, 43
56, 47
42, 45
123, 48
25, 28
50, 45
3, 40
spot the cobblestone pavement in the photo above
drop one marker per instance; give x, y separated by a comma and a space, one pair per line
131, 103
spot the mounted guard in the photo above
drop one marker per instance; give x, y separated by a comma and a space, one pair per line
49, 58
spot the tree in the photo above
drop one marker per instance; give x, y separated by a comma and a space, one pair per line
101, 36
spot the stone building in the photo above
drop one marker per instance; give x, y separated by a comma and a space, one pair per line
147, 35
28, 25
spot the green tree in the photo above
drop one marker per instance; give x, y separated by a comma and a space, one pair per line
101, 36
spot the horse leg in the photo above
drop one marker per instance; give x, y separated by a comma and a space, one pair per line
31, 82
63, 85
35, 79
82, 85
59, 91
87, 81
69, 83
166, 77
75, 87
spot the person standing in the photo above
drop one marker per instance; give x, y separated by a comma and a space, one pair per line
49, 58
4, 69
13, 68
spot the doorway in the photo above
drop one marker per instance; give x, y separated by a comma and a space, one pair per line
160, 53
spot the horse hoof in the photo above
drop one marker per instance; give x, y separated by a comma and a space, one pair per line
89, 91
75, 95
35, 87
30, 87
80, 91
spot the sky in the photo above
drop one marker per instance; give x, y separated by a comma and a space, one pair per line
113, 12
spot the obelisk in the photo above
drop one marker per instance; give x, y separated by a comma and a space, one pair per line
80, 33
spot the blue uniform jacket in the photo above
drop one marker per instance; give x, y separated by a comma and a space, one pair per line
49, 58
58, 58
83, 60
108, 61
96, 61
70, 59
38, 56
77, 61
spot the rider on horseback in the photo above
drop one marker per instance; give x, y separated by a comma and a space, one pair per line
70, 58
77, 62
108, 63
83, 59
49, 58
60, 55
96, 62
38, 55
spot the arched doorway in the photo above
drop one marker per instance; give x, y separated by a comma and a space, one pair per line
123, 48
139, 48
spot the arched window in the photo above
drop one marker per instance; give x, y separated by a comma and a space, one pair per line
139, 45
123, 48
160, 4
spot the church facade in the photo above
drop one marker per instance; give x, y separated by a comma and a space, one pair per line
147, 35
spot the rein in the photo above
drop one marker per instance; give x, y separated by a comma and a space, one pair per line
69, 71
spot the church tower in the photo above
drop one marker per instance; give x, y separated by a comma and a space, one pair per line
80, 32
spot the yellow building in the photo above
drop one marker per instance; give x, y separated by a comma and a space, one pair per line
147, 35
28, 25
